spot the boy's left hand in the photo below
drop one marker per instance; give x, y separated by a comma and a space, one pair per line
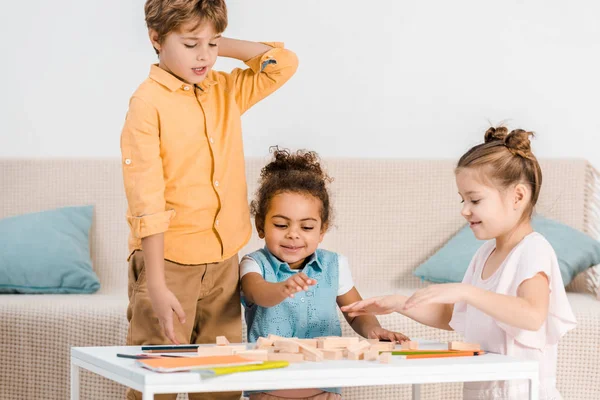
384, 334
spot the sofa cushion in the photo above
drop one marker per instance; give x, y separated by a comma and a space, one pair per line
47, 252
575, 250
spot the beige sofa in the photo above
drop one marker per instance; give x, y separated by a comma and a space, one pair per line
390, 215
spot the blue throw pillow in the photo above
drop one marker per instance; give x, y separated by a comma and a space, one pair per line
47, 252
575, 251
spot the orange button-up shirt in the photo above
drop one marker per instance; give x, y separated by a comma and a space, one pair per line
183, 158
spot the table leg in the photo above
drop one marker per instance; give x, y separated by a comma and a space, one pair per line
534, 388
147, 395
416, 392
74, 382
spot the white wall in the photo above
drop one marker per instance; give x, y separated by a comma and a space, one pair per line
377, 78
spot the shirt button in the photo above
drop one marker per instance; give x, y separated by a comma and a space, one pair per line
186, 88
216, 183
211, 140
302, 299
127, 161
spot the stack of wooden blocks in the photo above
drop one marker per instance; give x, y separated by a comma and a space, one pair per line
277, 348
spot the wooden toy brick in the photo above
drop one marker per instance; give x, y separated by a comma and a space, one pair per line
463, 346
356, 356
383, 346
222, 341
359, 347
311, 353
263, 343
286, 346
409, 345
290, 357
373, 341
204, 351
335, 342
308, 342
371, 355
385, 357
256, 355
237, 347
332, 354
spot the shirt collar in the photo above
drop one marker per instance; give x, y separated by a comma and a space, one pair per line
312, 261
173, 83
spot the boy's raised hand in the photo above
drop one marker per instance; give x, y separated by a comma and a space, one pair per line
383, 334
296, 283
374, 305
165, 304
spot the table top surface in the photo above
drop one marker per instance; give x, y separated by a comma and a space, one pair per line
103, 360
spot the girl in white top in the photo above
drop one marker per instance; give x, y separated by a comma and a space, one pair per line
512, 299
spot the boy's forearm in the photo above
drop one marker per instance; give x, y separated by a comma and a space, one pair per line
242, 50
434, 315
153, 250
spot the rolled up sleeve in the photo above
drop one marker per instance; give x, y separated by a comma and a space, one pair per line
143, 171
266, 73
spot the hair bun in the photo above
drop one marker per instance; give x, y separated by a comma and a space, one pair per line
517, 141
494, 134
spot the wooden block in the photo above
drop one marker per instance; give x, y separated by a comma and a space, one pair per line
333, 354
263, 343
335, 342
256, 355
286, 346
373, 341
204, 351
371, 355
308, 342
311, 353
409, 345
385, 357
237, 347
290, 357
463, 346
359, 347
356, 356
222, 341
383, 346
220, 350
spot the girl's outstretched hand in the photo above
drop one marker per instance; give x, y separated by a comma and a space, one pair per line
296, 283
384, 334
375, 305
446, 293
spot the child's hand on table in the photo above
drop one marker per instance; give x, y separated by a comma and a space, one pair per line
383, 334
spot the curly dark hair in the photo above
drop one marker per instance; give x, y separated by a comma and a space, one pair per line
299, 172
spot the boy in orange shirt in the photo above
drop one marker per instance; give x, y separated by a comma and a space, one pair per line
183, 169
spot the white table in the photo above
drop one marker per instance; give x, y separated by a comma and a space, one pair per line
342, 373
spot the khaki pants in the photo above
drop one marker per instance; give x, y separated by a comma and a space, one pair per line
210, 297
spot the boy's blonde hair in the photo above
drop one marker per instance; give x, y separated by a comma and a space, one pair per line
166, 16
506, 159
